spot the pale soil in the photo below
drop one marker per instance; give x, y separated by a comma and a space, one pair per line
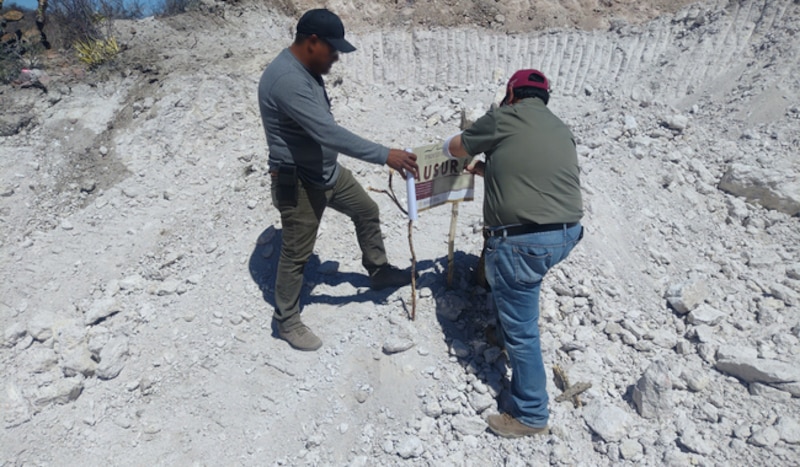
139, 192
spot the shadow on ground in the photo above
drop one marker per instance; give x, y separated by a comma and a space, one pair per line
263, 265
464, 314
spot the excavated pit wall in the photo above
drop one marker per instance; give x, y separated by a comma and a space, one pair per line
676, 60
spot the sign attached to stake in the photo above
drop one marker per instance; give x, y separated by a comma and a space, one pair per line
442, 180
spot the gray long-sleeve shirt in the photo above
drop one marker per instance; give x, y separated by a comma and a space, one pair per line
300, 128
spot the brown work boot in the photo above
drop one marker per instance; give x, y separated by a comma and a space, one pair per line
299, 336
509, 427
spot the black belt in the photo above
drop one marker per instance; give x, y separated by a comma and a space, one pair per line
525, 229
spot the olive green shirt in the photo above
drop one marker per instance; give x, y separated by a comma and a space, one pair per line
531, 174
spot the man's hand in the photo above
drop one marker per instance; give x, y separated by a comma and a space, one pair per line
476, 168
401, 161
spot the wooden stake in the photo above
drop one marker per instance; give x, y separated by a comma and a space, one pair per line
413, 271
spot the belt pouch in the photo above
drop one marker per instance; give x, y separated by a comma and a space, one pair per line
287, 186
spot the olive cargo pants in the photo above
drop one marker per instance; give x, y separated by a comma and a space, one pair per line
300, 224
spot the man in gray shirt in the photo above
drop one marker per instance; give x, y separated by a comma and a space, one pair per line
304, 144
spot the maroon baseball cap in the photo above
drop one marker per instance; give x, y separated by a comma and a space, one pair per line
327, 26
529, 78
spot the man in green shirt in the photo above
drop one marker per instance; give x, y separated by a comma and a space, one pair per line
532, 210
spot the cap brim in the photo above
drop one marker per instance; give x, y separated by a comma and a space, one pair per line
341, 45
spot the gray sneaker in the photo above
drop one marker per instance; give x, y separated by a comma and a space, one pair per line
509, 427
389, 276
299, 336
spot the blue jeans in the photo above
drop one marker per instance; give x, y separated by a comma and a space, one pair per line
515, 267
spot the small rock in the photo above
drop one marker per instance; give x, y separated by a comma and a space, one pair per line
652, 394
432, 409
41, 326
687, 296
608, 421
123, 421
361, 396
492, 354
695, 443
433, 120
388, 447
759, 370
88, 185
705, 334
764, 437
788, 430
77, 360
784, 294
742, 431
13, 334
112, 358
630, 449
195, 279
696, 380
629, 124
451, 407
16, 410
410, 447
168, 287
61, 391
396, 344
705, 314
131, 192
43, 360
663, 338
134, 282
450, 306
480, 402
736, 352
676, 122
459, 349
768, 392
151, 428
468, 425
792, 388
101, 309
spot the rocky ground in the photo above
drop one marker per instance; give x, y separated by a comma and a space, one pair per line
138, 243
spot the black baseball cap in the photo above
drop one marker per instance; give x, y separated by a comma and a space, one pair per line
325, 25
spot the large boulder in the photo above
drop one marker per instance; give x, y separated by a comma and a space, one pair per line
772, 189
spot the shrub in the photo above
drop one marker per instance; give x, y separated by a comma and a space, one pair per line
86, 26
96, 52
